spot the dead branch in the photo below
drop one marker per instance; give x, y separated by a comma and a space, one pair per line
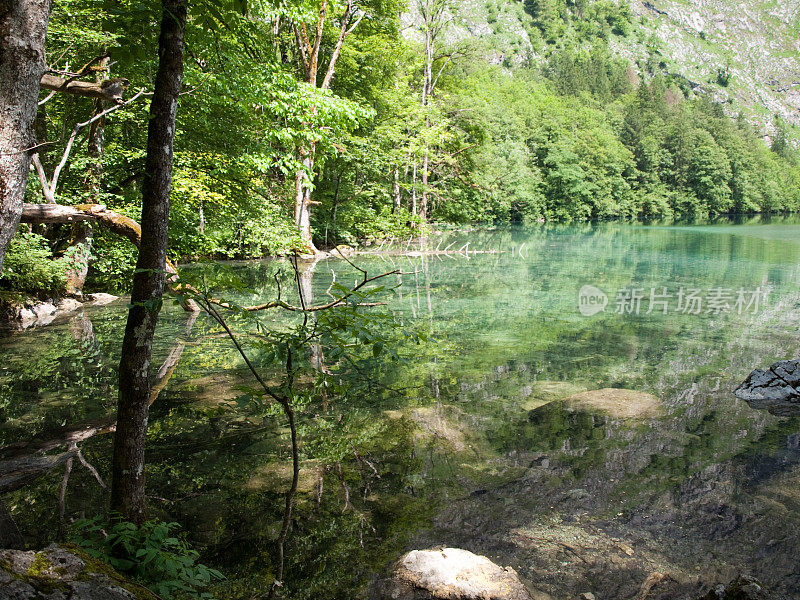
310, 309
97, 213
343, 32
49, 187
110, 89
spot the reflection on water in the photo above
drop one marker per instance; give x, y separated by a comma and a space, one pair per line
492, 436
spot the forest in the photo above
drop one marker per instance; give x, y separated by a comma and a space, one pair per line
159, 149
304, 128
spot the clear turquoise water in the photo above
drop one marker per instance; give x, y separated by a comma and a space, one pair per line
470, 441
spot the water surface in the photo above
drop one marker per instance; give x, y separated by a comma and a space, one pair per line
475, 439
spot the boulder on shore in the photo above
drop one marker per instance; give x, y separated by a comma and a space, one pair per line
776, 390
451, 574
63, 573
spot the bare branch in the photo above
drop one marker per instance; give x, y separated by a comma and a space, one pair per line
337, 302
343, 32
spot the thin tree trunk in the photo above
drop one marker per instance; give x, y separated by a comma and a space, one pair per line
396, 190
302, 208
128, 483
83, 233
426, 93
96, 144
23, 27
423, 202
414, 190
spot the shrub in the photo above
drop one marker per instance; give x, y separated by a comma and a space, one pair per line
30, 268
152, 554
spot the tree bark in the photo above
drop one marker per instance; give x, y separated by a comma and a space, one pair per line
396, 191
23, 27
128, 483
82, 233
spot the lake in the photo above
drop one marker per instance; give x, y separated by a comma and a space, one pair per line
562, 404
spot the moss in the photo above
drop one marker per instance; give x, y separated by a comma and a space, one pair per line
39, 565
95, 566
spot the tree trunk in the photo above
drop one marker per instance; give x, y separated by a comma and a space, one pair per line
423, 200
396, 191
81, 252
302, 203
127, 490
82, 233
23, 26
414, 190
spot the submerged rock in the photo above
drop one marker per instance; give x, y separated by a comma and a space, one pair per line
617, 403
451, 574
101, 299
69, 305
60, 573
743, 588
777, 389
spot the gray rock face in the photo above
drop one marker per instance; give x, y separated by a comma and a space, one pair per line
777, 389
451, 574
57, 573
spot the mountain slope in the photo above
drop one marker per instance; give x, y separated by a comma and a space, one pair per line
746, 54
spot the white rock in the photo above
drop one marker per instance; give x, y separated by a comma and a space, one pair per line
453, 574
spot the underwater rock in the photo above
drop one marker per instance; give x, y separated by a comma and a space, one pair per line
451, 574
59, 573
67, 305
343, 250
101, 299
777, 389
617, 403
743, 588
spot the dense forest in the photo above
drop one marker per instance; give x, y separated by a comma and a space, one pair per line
305, 126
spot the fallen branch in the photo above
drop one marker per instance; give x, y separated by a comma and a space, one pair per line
110, 89
99, 214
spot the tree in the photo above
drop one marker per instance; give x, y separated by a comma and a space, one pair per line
309, 51
434, 19
23, 27
127, 490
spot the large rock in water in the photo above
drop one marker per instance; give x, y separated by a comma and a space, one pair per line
60, 573
617, 403
777, 389
451, 574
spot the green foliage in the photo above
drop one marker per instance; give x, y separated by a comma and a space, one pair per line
567, 138
154, 554
30, 268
